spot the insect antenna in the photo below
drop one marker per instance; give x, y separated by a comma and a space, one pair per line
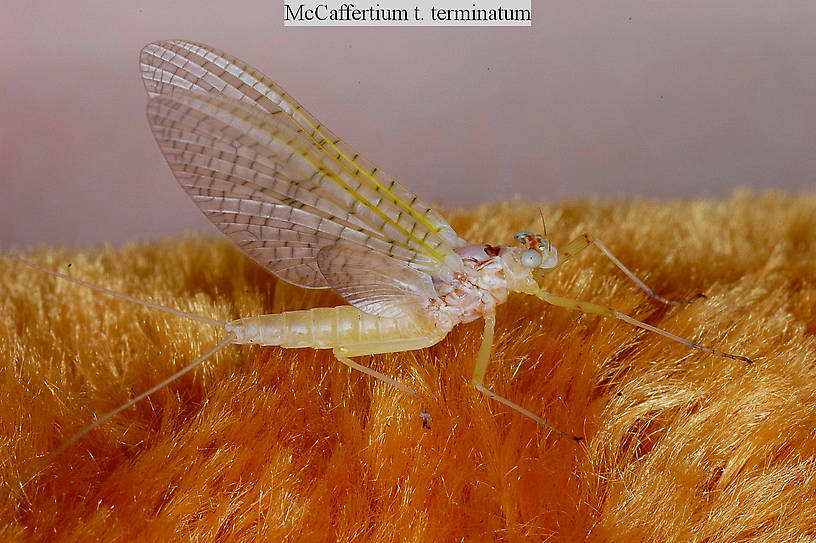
544, 226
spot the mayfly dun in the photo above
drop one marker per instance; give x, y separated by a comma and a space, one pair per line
310, 209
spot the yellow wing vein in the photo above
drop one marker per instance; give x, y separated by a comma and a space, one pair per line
252, 85
360, 198
339, 154
344, 160
316, 163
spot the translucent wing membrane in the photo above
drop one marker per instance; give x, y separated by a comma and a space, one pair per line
262, 187
376, 284
270, 176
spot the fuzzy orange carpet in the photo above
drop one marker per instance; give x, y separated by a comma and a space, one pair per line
289, 445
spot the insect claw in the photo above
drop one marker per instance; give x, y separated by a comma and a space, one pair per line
697, 297
426, 419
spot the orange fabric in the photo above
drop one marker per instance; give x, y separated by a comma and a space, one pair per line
272, 444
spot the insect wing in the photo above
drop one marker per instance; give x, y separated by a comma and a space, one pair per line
240, 172
375, 283
245, 131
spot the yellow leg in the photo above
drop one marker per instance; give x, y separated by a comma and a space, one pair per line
480, 370
588, 307
582, 242
342, 354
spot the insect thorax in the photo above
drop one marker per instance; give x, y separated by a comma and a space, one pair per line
479, 287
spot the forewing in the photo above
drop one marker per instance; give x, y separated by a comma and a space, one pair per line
362, 196
375, 283
261, 186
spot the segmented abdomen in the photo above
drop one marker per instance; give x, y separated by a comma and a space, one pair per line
324, 328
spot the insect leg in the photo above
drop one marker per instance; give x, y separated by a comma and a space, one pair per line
480, 370
343, 354
585, 240
588, 307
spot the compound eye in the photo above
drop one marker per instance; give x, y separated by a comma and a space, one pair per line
522, 236
531, 258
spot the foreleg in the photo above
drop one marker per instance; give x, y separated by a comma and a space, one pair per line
582, 242
588, 307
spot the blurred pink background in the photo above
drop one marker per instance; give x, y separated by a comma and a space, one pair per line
656, 99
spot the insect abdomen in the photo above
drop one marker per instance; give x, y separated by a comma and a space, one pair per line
321, 328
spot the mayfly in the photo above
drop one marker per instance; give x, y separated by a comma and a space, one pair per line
310, 209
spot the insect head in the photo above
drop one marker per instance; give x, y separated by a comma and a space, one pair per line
539, 254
